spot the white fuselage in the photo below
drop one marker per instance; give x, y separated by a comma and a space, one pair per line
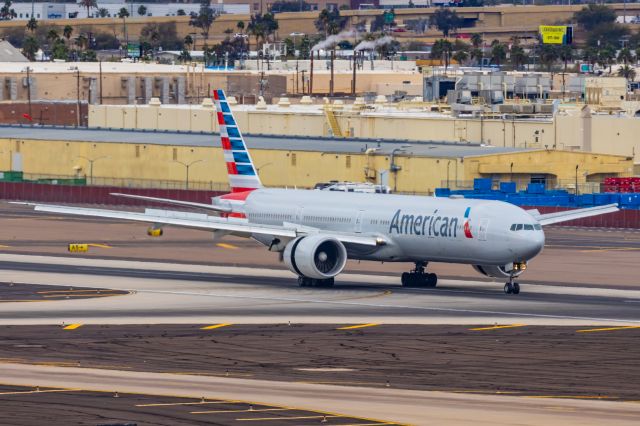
416, 228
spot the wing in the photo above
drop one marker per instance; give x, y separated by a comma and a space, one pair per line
550, 218
210, 223
224, 209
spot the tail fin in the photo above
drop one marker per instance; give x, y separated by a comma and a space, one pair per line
242, 173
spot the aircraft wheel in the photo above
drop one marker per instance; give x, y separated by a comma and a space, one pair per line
406, 279
432, 280
304, 282
508, 288
516, 288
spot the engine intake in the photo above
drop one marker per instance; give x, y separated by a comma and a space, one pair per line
495, 271
315, 256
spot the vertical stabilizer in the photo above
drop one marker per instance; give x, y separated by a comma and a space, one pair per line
242, 173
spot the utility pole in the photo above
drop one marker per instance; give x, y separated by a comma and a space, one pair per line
29, 88
333, 58
78, 97
100, 82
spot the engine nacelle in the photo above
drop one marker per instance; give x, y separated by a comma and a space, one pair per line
504, 271
316, 256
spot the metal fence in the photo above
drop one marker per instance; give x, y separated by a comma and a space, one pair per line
568, 185
130, 183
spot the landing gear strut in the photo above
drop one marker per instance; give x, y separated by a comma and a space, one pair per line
511, 287
312, 282
418, 277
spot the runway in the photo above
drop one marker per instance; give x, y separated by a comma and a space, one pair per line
166, 293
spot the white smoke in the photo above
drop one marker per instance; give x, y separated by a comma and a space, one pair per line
373, 44
332, 40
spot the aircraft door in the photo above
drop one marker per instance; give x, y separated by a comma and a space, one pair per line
299, 215
482, 230
358, 224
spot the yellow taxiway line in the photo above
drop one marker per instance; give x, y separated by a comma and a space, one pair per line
262, 419
172, 404
248, 410
72, 326
591, 330
212, 327
496, 327
353, 327
227, 246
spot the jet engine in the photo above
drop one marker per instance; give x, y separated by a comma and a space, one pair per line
504, 271
315, 256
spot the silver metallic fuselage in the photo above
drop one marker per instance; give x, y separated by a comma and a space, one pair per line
416, 228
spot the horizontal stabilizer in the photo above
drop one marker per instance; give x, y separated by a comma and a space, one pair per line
223, 209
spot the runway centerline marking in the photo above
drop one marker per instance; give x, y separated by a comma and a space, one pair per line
171, 404
38, 391
213, 327
261, 419
379, 305
248, 410
72, 326
353, 327
496, 327
591, 330
227, 246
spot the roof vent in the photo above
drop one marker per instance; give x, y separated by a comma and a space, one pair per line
306, 100
155, 102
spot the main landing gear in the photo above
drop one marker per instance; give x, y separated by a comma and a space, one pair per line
312, 282
418, 277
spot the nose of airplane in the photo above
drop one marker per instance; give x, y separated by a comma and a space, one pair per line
530, 244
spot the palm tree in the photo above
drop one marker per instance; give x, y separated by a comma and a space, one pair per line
498, 53
32, 25
240, 26
52, 35
67, 31
88, 4
476, 40
142, 10
442, 49
188, 42
461, 56
82, 41
517, 56
30, 47
627, 72
123, 14
625, 56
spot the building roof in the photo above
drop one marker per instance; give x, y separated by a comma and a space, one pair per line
8, 53
292, 143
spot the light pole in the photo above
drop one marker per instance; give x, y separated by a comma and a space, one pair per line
187, 166
393, 167
91, 161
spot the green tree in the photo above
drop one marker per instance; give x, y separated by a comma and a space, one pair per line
330, 22
30, 47
142, 10
181, 12
163, 35
262, 26
606, 57
204, 18
67, 31
498, 53
60, 50
82, 42
446, 21
476, 40
442, 49
590, 54
88, 4
32, 25
594, 15
240, 26
517, 55
627, 72
103, 12
188, 42
52, 35
88, 56
461, 56
305, 47
184, 56
625, 56
7, 13
548, 56
123, 14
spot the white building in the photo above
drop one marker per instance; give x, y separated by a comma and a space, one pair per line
44, 10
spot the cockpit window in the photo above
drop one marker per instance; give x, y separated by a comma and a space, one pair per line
525, 227
519, 227
513, 227
537, 227
528, 227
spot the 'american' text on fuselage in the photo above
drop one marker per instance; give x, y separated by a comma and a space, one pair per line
432, 225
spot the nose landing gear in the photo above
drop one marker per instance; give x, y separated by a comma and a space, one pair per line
418, 277
511, 287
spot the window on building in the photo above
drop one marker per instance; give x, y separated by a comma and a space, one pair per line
348, 162
137, 151
175, 154
293, 159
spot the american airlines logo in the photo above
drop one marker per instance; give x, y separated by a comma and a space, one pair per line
432, 225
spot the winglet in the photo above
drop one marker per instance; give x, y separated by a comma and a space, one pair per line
243, 176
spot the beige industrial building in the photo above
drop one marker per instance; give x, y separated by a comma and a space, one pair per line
136, 158
573, 128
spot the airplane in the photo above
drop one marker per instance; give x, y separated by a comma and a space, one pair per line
316, 231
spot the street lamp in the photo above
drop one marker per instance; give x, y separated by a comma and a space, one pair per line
91, 161
395, 168
187, 166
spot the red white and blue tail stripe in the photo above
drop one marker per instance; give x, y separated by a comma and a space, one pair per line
242, 173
